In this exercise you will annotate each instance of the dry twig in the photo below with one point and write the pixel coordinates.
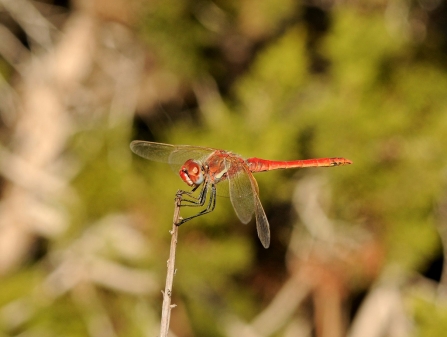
(166, 309)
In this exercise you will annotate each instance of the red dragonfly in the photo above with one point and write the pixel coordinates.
(206, 167)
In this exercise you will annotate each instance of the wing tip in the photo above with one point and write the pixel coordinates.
(264, 236)
(133, 143)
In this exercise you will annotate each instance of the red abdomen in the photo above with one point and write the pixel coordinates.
(260, 165)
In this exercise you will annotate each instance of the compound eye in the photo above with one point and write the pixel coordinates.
(191, 173)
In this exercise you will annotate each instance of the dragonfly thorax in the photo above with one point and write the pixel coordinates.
(192, 173)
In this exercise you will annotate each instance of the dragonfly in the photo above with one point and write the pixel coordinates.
(208, 167)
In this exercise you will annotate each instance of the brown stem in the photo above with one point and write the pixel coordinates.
(166, 309)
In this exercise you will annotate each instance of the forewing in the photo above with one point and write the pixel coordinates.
(153, 151)
(176, 155)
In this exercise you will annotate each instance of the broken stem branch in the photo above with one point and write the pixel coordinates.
(166, 309)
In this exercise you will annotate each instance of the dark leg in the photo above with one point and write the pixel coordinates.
(197, 201)
(209, 208)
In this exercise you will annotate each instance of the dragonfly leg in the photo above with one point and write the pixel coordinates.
(197, 201)
(188, 193)
(209, 208)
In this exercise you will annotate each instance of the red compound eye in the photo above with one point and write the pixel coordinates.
(191, 173)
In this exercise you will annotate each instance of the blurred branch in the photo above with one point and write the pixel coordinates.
(37, 169)
(308, 204)
(234, 326)
(12, 50)
(82, 260)
(80, 268)
(31, 21)
(275, 316)
(9, 102)
(382, 314)
(93, 311)
(29, 177)
(281, 307)
(331, 258)
(38, 136)
(166, 308)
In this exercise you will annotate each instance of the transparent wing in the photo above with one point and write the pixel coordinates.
(175, 155)
(245, 199)
(241, 193)
(223, 189)
(262, 224)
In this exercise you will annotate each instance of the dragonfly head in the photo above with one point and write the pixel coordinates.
(192, 173)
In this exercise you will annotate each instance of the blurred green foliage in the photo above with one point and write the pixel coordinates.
(377, 101)
(431, 318)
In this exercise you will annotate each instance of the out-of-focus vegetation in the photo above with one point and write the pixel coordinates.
(84, 223)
